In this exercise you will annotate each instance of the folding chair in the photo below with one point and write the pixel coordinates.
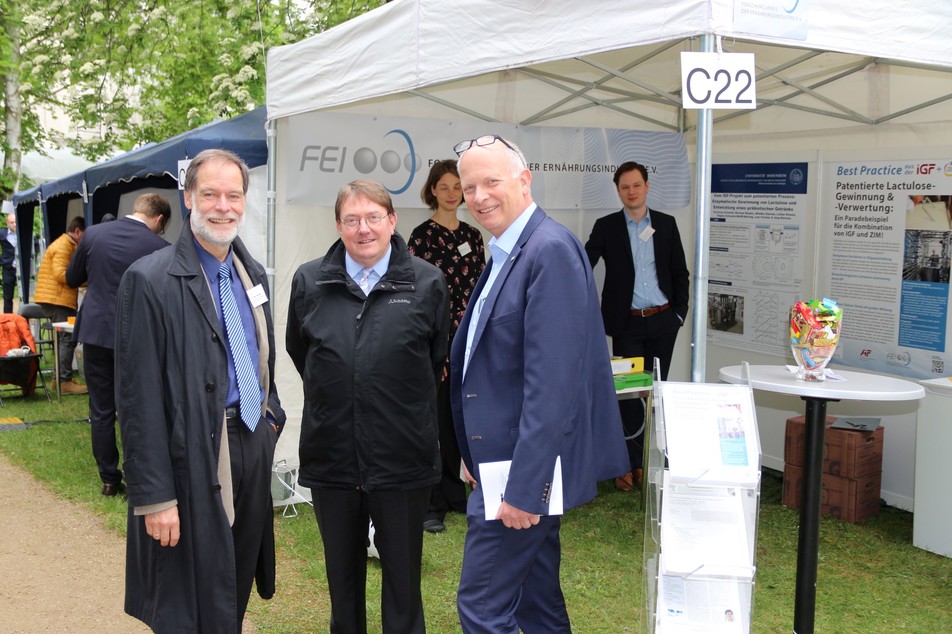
(23, 371)
(40, 326)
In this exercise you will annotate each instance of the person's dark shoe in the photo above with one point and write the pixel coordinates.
(638, 476)
(111, 490)
(434, 526)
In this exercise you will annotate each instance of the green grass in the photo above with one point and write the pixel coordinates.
(871, 579)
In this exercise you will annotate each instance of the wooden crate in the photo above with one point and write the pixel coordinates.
(849, 499)
(846, 453)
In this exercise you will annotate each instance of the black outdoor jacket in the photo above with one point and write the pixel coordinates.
(370, 367)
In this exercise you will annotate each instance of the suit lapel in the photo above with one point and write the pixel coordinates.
(261, 331)
(537, 217)
(622, 232)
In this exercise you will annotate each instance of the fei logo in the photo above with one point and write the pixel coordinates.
(395, 156)
(898, 358)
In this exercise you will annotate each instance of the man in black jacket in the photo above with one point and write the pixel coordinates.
(368, 326)
(645, 295)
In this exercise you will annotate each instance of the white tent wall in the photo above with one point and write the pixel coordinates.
(852, 80)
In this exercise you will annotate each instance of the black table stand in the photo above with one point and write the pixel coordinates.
(804, 611)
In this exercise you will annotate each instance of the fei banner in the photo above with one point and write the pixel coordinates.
(572, 168)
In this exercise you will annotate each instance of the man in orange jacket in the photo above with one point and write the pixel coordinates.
(59, 300)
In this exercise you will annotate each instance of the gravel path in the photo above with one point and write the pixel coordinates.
(62, 569)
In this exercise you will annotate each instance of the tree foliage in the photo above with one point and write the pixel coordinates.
(126, 72)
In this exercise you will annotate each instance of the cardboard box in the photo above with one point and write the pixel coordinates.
(846, 453)
(851, 500)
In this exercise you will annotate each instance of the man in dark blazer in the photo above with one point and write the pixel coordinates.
(103, 255)
(8, 261)
(645, 295)
(531, 383)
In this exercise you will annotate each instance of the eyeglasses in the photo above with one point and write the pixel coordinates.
(351, 223)
(482, 141)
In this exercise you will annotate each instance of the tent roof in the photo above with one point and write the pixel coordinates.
(72, 184)
(244, 135)
(27, 196)
(614, 56)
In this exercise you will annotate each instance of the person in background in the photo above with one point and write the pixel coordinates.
(531, 384)
(8, 261)
(645, 294)
(199, 414)
(59, 301)
(367, 330)
(456, 248)
(103, 255)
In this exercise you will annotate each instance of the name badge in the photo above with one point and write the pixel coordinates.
(256, 296)
(465, 249)
(647, 233)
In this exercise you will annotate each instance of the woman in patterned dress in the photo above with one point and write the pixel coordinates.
(456, 248)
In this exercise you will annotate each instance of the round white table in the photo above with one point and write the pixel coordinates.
(857, 386)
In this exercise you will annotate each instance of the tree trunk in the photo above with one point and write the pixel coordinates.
(12, 106)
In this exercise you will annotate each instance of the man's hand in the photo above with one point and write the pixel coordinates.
(514, 518)
(467, 476)
(163, 526)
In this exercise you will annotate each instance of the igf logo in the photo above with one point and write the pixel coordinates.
(925, 168)
(866, 352)
(334, 158)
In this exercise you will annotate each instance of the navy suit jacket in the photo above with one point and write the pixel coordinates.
(102, 256)
(609, 240)
(539, 383)
(8, 253)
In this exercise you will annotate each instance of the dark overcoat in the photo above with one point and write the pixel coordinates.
(171, 385)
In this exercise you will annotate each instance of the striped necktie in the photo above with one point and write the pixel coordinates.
(364, 281)
(249, 390)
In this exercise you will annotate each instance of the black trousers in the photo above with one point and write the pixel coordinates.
(343, 518)
(64, 340)
(252, 454)
(98, 363)
(9, 286)
(647, 337)
(450, 493)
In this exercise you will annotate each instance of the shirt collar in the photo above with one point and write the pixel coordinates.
(507, 241)
(209, 262)
(353, 267)
(629, 220)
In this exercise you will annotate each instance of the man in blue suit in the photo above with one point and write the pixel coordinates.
(103, 255)
(8, 261)
(531, 382)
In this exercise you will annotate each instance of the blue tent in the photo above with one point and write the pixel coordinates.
(157, 165)
(153, 165)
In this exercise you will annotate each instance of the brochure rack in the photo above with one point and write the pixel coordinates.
(702, 503)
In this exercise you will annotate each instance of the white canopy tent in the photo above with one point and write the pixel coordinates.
(836, 76)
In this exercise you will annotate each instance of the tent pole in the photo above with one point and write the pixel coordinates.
(702, 206)
(272, 133)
